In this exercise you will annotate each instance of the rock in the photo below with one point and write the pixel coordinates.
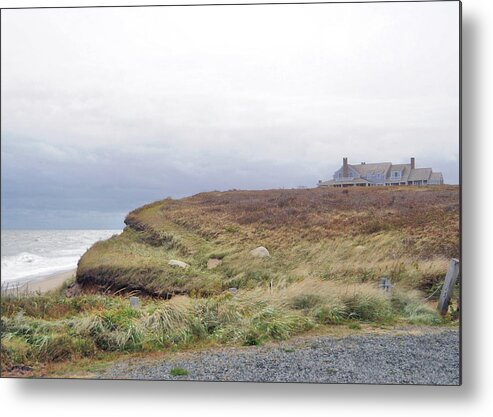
(20, 369)
(73, 290)
(179, 264)
(260, 252)
(213, 263)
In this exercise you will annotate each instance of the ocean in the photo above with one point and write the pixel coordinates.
(32, 254)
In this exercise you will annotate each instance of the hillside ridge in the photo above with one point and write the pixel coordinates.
(356, 235)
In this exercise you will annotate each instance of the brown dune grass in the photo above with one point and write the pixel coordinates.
(355, 235)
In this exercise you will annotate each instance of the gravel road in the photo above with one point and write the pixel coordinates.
(366, 359)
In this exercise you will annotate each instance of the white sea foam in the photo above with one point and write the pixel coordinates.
(31, 254)
(26, 265)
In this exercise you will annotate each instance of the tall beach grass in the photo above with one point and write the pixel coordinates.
(40, 329)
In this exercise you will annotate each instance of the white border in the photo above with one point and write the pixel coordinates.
(116, 398)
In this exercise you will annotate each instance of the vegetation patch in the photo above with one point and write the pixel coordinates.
(178, 372)
(405, 233)
(89, 326)
(328, 251)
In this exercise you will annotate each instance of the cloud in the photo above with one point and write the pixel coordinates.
(151, 103)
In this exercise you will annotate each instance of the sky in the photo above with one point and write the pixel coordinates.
(104, 110)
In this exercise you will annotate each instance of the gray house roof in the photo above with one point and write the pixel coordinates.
(437, 176)
(371, 169)
(420, 174)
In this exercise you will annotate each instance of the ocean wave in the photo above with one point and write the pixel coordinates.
(33, 254)
(26, 265)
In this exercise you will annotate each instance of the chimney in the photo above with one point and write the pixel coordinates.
(413, 164)
(345, 168)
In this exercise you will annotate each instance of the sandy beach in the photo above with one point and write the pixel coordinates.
(45, 284)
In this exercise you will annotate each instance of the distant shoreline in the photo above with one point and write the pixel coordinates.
(44, 284)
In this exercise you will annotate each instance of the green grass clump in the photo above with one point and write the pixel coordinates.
(412, 306)
(172, 324)
(422, 314)
(368, 307)
(305, 301)
(53, 306)
(28, 340)
(275, 323)
(117, 330)
(178, 372)
(331, 313)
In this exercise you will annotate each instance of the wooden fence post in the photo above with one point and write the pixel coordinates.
(134, 302)
(448, 286)
(385, 285)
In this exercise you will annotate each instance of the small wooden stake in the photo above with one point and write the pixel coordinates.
(448, 286)
(134, 302)
(385, 285)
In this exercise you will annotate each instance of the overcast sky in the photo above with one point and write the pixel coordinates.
(104, 110)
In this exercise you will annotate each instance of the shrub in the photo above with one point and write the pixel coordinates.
(412, 307)
(15, 350)
(333, 313)
(305, 301)
(111, 332)
(274, 323)
(84, 347)
(422, 314)
(54, 306)
(166, 318)
(54, 348)
(253, 338)
(368, 307)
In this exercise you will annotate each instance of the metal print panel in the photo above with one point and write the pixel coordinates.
(261, 193)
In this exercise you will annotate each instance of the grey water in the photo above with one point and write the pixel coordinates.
(33, 254)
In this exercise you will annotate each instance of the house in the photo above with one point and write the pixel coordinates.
(382, 173)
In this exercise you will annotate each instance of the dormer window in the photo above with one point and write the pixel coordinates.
(396, 174)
